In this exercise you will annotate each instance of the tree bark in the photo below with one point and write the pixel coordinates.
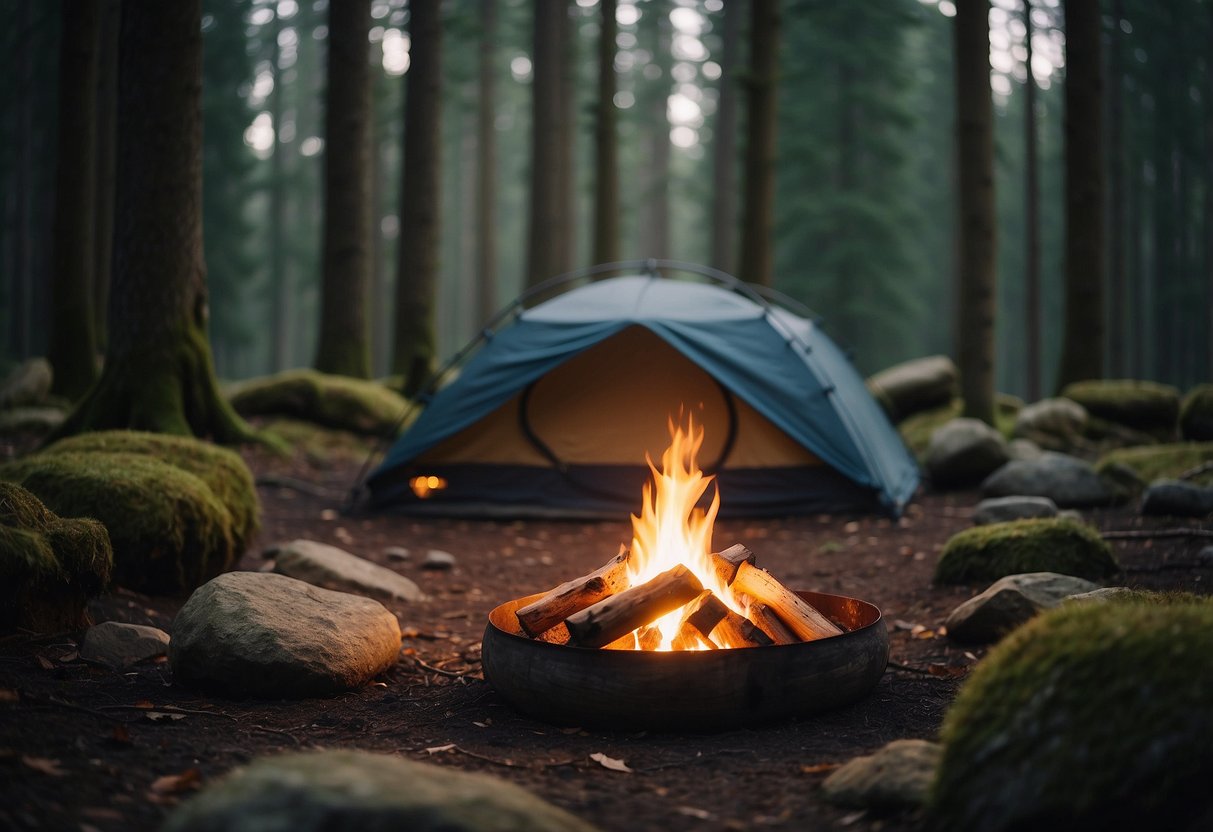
(281, 299)
(72, 345)
(344, 344)
(547, 225)
(1083, 338)
(420, 201)
(975, 177)
(724, 145)
(758, 211)
(158, 373)
(1117, 329)
(107, 132)
(1032, 223)
(486, 167)
(606, 147)
(654, 209)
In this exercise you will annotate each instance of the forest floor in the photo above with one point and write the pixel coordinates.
(86, 748)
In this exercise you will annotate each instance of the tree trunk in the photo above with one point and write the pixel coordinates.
(281, 297)
(344, 345)
(547, 225)
(1082, 341)
(975, 155)
(758, 211)
(1117, 330)
(486, 167)
(606, 147)
(420, 195)
(1208, 199)
(1031, 213)
(107, 131)
(158, 373)
(654, 209)
(568, 143)
(724, 145)
(72, 346)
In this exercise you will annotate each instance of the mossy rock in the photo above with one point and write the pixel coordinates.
(351, 404)
(221, 469)
(321, 447)
(169, 531)
(1162, 462)
(917, 429)
(1055, 544)
(1144, 405)
(1091, 716)
(49, 566)
(1196, 414)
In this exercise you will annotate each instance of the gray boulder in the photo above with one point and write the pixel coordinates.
(1055, 424)
(1065, 480)
(897, 776)
(1178, 498)
(323, 565)
(260, 634)
(438, 560)
(27, 385)
(1009, 602)
(1002, 509)
(963, 452)
(1023, 449)
(921, 384)
(321, 791)
(119, 645)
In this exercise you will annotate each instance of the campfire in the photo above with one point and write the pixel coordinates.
(669, 591)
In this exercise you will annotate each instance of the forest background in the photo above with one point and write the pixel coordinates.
(865, 220)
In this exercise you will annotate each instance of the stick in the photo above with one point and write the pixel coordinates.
(771, 624)
(574, 596)
(619, 614)
(719, 624)
(800, 616)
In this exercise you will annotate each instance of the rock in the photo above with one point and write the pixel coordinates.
(438, 560)
(1009, 602)
(120, 645)
(397, 553)
(987, 553)
(1196, 414)
(36, 420)
(1071, 514)
(270, 636)
(1023, 449)
(1102, 595)
(1205, 556)
(1122, 480)
(895, 777)
(1056, 424)
(332, 568)
(1002, 509)
(1177, 498)
(320, 791)
(1144, 405)
(917, 385)
(963, 452)
(1063, 479)
(27, 385)
(1178, 460)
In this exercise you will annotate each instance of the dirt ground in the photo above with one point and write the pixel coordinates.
(87, 748)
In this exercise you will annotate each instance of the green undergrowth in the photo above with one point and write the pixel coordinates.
(1196, 414)
(1091, 716)
(49, 566)
(1055, 544)
(916, 430)
(356, 405)
(1144, 405)
(169, 531)
(1152, 462)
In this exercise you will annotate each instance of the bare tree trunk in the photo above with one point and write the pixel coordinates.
(420, 201)
(281, 301)
(975, 152)
(1083, 339)
(606, 147)
(568, 144)
(23, 279)
(758, 211)
(654, 207)
(547, 224)
(486, 166)
(107, 130)
(72, 347)
(1208, 200)
(380, 290)
(724, 145)
(158, 372)
(1032, 222)
(1116, 197)
(344, 346)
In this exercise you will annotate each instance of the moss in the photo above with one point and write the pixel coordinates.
(1144, 405)
(221, 469)
(333, 401)
(917, 429)
(1091, 716)
(321, 447)
(169, 531)
(1196, 414)
(49, 567)
(1055, 544)
(1153, 462)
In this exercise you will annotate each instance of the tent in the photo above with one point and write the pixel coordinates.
(555, 411)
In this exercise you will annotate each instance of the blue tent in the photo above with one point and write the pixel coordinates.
(553, 415)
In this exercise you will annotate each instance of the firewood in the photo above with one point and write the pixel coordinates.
(619, 614)
(555, 635)
(727, 563)
(646, 638)
(800, 616)
(720, 625)
(688, 638)
(573, 596)
(770, 623)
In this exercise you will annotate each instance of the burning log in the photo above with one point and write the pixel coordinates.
(649, 638)
(720, 625)
(575, 595)
(770, 623)
(618, 615)
(735, 566)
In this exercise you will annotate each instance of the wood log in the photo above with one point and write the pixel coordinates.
(575, 595)
(721, 626)
(727, 563)
(771, 624)
(689, 638)
(646, 638)
(555, 635)
(805, 621)
(619, 614)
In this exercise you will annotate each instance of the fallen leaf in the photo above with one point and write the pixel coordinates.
(438, 749)
(187, 780)
(692, 812)
(69, 657)
(44, 765)
(970, 656)
(143, 703)
(819, 768)
(328, 514)
(121, 735)
(44, 662)
(609, 762)
(852, 818)
(480, 725)
(156, 716)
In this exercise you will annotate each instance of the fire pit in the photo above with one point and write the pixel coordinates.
(671, 634)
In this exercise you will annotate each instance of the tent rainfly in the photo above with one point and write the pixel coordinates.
(553, 416)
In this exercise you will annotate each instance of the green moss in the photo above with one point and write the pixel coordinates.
(917, 429)
(1055, 544)
(49, 567)
(1196, 414)
(221, 469)
(1152, 462)
(1144, 405)
(1091, 716)
(333, 401)
(321, 447)
(169, 531)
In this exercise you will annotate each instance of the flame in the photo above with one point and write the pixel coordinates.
(671, 528)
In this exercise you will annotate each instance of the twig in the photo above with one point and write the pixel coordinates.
(302, 486)
(168, 709)
(1135, 534)
(451, 673)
